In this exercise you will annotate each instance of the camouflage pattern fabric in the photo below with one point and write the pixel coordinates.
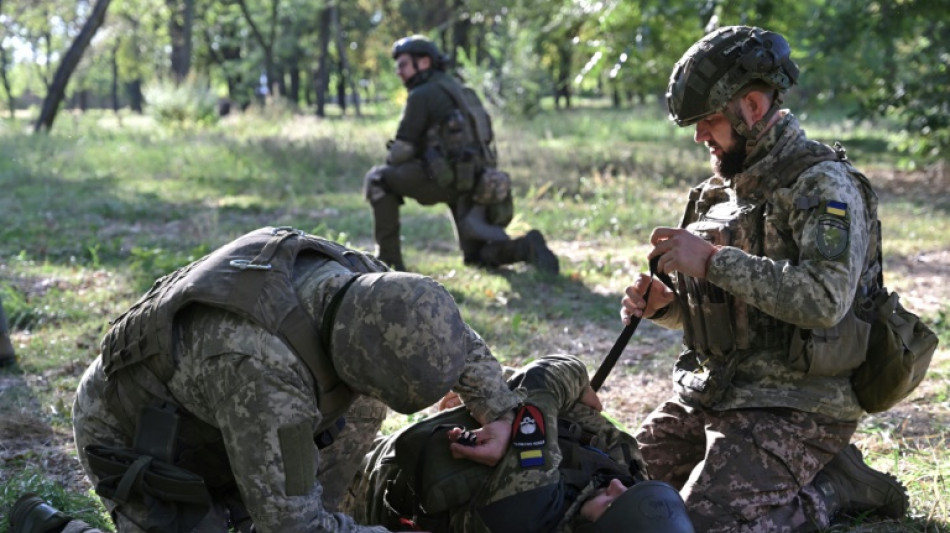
(249, 386)
(793, 282)
(745, 462)
(756, 465)
(554, 384)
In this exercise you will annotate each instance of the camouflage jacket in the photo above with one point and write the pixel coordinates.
(804, 275)
(509, 497)
(258, 397)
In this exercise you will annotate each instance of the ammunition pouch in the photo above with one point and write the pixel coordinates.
(834, 351)
(176, 499)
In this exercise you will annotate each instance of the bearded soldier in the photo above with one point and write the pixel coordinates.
(768, 262)
(243, 390)
(444, 153)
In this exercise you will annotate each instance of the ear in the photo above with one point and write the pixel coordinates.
(753, 105)
(423, 63)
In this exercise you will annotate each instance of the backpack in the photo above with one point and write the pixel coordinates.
(900, 346)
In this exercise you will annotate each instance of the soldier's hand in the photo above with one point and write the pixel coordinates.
(491, 443)
(633, 304)
(450, 400)
(681, 251)
(590, 399)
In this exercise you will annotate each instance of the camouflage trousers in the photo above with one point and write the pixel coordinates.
(411, 180)
(747, 470)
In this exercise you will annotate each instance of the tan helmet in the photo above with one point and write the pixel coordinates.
(399, 337)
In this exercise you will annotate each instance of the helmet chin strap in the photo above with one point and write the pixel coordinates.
(751, 134)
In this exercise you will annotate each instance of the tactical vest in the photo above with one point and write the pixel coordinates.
(461, 146)
(251, 277)
(715, 324)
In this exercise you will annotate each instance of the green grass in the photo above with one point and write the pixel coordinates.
(94, 212)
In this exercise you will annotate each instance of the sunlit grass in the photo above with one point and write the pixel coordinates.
(97, 210)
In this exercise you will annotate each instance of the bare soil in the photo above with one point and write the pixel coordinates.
(640, 382)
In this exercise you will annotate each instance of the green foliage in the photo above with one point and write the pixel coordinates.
(93, 213)
(183, 105)
(85, 507)
(149, 264)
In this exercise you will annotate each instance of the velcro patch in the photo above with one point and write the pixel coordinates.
(527, 430)
(831, 236)
(838, 209)
(529, 458)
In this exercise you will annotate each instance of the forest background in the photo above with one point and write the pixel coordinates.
(137, 135)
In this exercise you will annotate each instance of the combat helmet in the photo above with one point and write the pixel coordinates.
(399, 337)
(718, 66)
(648, 506)
(418, 46)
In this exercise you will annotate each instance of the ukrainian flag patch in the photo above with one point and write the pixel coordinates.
(531, 458)
(838, 209)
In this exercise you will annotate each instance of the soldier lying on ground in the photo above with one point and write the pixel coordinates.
(568, 469)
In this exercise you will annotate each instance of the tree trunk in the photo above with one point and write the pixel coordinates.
(345, 76)
(134, 90)
(180, 26)
(322, 79)
(11, 102)
(57, 89)
(115, 78)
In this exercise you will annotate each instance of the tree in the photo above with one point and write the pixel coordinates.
(181, 22)
(57, 89)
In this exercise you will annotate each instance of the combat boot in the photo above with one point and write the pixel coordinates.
(849, 485)
(31, 514)
(538, 253)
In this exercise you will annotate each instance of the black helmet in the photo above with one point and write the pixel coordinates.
(652, 506)
(722, 63)
(417, 45)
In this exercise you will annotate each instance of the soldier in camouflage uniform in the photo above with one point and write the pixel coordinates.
(444, 153)
(579, 473)
(769, 261)
(217, 398)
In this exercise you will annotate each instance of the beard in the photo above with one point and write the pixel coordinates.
(733, 159)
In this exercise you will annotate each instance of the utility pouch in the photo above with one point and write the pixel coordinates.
(703, 382)
(465, 173)
(157, 432)
(833, 351)
(176, 499)
(438, 167)
(493, 187)
(900, 350)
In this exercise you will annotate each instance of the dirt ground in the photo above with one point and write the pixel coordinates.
(639, 382)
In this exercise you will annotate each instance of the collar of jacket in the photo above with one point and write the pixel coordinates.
(760, 179)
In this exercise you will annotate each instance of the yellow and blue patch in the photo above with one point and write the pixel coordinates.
(838, 209)
(531, 458)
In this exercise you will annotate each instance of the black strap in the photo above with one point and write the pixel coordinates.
(614, 355)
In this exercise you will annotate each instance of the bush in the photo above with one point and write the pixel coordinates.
(186, 104)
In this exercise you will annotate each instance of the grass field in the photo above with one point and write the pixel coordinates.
(93, 213)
